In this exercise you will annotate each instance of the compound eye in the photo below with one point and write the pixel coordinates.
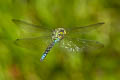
(59, 34)
(62, 30)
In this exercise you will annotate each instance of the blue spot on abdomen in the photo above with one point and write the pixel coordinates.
(43, 57)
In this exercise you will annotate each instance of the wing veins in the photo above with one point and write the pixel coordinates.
(85, 27)
(16, 21)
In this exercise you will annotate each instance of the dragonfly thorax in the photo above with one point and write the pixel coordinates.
(58, 34)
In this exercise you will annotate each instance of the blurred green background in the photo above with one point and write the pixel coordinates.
(17, 63)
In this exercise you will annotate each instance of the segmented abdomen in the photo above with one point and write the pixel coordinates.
(46, 51)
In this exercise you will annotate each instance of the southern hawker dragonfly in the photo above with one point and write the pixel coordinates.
(58, 35)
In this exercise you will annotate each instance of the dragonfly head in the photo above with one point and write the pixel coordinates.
(58, 34)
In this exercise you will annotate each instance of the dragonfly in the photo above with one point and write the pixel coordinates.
(58, 35)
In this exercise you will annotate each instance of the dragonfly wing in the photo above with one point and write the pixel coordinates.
(77, 45)
(83, 29)
(69, 46)
(88, 44)
(28, 27)
(36, 43)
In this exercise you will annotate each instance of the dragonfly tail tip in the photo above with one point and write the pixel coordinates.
(41, 60)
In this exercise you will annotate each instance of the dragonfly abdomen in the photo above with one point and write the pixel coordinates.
(46, 51)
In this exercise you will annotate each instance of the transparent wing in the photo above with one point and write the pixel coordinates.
(31, 30)
(28, 27)
(83, 29)
(69, 46)
(77, 45)
(36, 43)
